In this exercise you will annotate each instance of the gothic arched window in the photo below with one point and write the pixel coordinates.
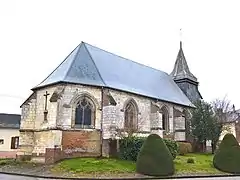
(84, 113)
(130, 119)
(165, 118)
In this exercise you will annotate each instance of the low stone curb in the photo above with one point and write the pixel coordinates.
(118, 178)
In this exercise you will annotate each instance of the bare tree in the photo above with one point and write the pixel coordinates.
(125, 131)
(222, 111)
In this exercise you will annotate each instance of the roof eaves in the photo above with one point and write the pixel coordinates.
(55, 69)
(185, 105)
(27, 99)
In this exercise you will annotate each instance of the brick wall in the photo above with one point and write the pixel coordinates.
(53, 155)
(81, 143)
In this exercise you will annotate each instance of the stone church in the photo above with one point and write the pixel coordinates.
(93, 95)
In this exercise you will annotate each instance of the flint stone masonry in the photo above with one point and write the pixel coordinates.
(70, 95)
(179, 123)
(180, 136)
(46, 139)
(26, 143)
(109, 122)
(28, 115)
(39, 136)
(143, 105)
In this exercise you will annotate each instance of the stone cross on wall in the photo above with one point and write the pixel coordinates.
(45, 108)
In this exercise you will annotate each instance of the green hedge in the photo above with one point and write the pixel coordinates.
(129, 147)
(154, 158)
(184, 148)
(172, 146)
(227, 157)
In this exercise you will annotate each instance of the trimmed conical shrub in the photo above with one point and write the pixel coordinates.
(227, 157)
(228, 141)
(154, 158)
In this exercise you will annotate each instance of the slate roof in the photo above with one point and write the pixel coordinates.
(90, 65)
(181, 69)
(10, 121)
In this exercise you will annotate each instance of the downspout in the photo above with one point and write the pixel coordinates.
(101, 124)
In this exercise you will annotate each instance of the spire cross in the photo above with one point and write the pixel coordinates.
(46, 95)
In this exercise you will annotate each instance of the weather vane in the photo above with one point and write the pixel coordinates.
(181, 38)
(181, 34)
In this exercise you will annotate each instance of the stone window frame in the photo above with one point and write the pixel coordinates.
(164, 110)
(74, 103)
(134, 103)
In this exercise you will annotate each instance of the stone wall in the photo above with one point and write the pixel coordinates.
(109, 122)
(70, 94)
(228, 128)
(179, 124)
(156, 123)
(26, 143)
(237, 131)
(46, 139)
(40, 122)
(143, 106)
(28, 114)
(57, 131)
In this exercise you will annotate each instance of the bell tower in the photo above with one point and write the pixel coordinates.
(181, 74)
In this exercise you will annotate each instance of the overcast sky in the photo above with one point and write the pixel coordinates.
(36, 36)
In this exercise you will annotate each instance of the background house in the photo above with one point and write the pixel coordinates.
(231, 124)
(9, 134)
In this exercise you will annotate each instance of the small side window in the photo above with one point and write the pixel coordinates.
(1, 141)
(14, 142)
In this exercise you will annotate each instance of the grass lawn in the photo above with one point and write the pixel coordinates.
(97, 166)
(202, 164)
(4, 162)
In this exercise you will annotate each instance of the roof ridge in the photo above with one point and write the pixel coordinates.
(94, 63)
(126, 59)
(79, 46)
